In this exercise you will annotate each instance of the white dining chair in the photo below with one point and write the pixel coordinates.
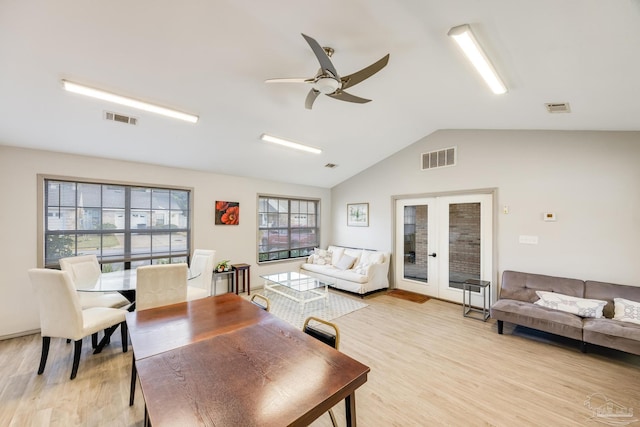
(85, 271)
(61, 315)
(202, 268)
(158, 285)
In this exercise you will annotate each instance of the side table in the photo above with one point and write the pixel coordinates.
(219, 274)
(246, 276)
(481, 286)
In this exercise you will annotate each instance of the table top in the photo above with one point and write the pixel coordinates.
(260, 372)
(118, 281)
(168, 327)
(297, 281)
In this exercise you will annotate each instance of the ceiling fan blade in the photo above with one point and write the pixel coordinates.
(311, 96)
(344, 96)
(323, 59)
(292, 80)
(365, 73)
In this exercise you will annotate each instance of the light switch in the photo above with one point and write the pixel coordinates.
(528, 240)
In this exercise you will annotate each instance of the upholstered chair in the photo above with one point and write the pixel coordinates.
(85, 271)
(158, 285)
(202, 268)
(61, 315)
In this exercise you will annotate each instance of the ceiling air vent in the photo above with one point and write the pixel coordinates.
(438, 159)
(558, 107)
(330, 165)
(108, 115)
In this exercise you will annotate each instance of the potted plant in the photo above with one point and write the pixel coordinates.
(222, 266)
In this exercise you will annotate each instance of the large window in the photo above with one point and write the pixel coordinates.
(125, 226)
(287, 228)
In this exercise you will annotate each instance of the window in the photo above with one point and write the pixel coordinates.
(287, 228)
(125, 226)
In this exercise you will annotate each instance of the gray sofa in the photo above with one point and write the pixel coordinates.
(516, 305)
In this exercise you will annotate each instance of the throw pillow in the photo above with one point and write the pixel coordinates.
(362, 269)
(322, 256)
(626, 310)
(345, 262)
(580, 306)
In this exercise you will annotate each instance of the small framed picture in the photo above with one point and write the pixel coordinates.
(358, 214)
(227, 213)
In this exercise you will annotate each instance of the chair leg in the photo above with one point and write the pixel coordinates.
(333, 418)
(46, 341)
(500, 326)
(106, 339)
(125, 336)
(94, 340)
(76, 357)
(134, 373)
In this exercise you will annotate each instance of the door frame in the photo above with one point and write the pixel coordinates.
(493, 274)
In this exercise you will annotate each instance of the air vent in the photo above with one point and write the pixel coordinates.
(439, 159)
(330, 165)
(559, 107)
(108, 115)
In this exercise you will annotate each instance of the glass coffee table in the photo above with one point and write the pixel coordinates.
(297, 286)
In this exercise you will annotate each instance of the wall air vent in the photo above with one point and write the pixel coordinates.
(439, 158)
(108, 115)
(558, 107)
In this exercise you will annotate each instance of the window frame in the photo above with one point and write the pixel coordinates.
(303, 251)
(128, 258)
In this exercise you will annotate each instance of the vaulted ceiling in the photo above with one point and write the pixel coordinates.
(211, 58)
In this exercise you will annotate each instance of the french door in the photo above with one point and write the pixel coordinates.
(441, 242)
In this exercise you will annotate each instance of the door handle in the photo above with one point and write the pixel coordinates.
(433, 255)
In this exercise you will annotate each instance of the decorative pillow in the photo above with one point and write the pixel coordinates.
(362, 269)
(626, 310)
(368, 257)
(345, 262)
(337, 253)
(322, 256)
(580, 306)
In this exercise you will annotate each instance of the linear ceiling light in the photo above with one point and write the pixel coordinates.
(463, 35)
(289, 144)
(129, 102)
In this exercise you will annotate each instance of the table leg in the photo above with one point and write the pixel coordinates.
(350, 409)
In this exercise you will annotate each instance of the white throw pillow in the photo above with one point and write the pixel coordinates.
(337, 254)
(626, 310)
(322, 256)
(345, 262)
(362, 269)
(580, 306)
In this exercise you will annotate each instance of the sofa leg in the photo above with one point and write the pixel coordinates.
(583, 346)
(500, 326)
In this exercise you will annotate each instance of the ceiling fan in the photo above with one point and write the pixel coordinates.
(328, 81)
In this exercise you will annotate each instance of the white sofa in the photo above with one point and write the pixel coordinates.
(360, 271)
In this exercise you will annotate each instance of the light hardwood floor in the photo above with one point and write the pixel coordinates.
(429, 367)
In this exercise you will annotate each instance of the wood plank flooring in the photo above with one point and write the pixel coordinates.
(429, 367)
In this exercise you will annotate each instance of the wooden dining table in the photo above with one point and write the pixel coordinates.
(223, 361)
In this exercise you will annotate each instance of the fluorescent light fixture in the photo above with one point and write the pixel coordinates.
(289, 144)
(129, 102)
(463, 35)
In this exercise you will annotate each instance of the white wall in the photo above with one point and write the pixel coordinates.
(19, 210)
(591, 180)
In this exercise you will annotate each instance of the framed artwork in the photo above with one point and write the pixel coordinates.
(227, 213)
(358, 214)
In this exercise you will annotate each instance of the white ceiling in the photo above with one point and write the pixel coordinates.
(211, 58)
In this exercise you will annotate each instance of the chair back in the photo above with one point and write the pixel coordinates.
(202, 266)
(60, 311)
(84, 269)
(264, 302)
(330, 338)
(158, 285)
